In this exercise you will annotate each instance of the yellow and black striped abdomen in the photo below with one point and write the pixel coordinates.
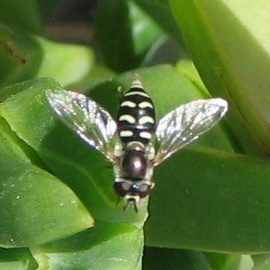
(136, 116)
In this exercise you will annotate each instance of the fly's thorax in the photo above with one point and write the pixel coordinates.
(134, 165)
(134, 161)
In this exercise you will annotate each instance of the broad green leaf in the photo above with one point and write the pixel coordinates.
(66, 63)
(211, 200)
(21, 15)
(15, 258)
(35, 207)
(106, 247)
(231, 49)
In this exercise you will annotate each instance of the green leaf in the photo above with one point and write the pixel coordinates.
(230, 47)
(107, 247)
(35, 207)
(19, 259)
(66, 63)
(188, 70)
(211, 200)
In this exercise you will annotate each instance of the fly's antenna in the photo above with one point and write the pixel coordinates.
(135, 207)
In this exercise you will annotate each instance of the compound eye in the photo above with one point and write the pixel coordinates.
(134, 165)
(144, 190)
(125, 188)
(122, 188)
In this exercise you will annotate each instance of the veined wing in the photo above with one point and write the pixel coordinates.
(186, 123)
(90, 121)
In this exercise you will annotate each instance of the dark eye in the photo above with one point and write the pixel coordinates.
(144, 190)
(122, 188)
(125, 188)
(134, 165)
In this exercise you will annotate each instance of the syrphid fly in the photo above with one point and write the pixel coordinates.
(135, 142)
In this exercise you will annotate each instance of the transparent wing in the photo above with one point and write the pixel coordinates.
(90, 121)
(186, 123)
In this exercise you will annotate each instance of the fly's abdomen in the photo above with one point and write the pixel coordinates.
(136, 116)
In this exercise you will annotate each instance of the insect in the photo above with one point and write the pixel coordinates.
(129, 143)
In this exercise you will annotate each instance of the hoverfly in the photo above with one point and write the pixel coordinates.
(129, 142)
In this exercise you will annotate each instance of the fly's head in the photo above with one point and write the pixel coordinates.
(133, 176)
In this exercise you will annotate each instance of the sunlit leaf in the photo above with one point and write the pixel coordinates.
(35, 206)
(107, 246)
(230, 47)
